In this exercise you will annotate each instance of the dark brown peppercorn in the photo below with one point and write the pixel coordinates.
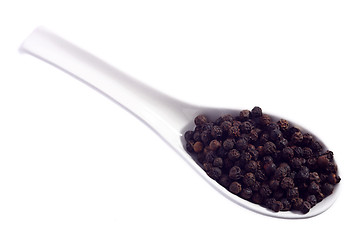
(327, 188)
(297, 137)
(205, 137)
(269, 168)
(251, 166)
(283, 124)
(218, 162)
(244, 115)
(303, 174)
(256, 198)
(225, 181)
(296, 163)
(275, 135)
(241, 144)
(235, 187)
(198, 147)
(200, 120)
(276, 206)
(292, 193)
(332, 178)
(280, 173)
(313, 188)
(233, 154)
(307, 152)
(265, 191)
(312, 200)
(246, 127)
(256, 112)
(286, 204)
(274, 184)
(323, 161)
(305, 208)
(297, 203)
(287, 153)
(188, 135)
(265, 120)
(287, 183)
(214, 145)
(235, 173)
(228, 144)
(269, 148)
(246, 193)
(225, 126)
(249, 179)
(214, 173)
(307, 139)
(216, 132)
(234, 132)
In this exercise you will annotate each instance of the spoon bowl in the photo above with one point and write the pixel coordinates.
(168, 117)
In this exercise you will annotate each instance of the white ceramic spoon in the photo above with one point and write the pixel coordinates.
(168, 117)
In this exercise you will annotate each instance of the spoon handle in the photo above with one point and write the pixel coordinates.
(159, 111)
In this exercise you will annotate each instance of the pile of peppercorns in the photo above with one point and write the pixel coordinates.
(270, 163)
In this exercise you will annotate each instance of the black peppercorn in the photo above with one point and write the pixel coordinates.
(205, 137)
(283, 124)
(269, 168)
(246, 193)
(265, 190)
(214, 173)
(313, 188)
(244, 115)
(275, 135)
(246, 127)
(296, 163)
(269, 148)
(286, 204)
(312, 200)
(225, 181)
(287, 183)
(235, 187)
(322, 161)
(251, 166)
(256, 198)
(256, 112)
(287, 153)
(327, 188)
(305, 208)
(218, 162)
(297, 137)
(189, 135)
(233, 154)
(235, 173)
(228, 144)
(214, 145)
(303, 174)
(297, 203)
(226, 125)
(200, 120)
(249, 179)
(274, 184)
(234, 132)
(276, 206)
(198, 147)
(216, 132)
(241, 144)
(292, 193)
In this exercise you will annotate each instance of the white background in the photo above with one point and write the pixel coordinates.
(74, 165)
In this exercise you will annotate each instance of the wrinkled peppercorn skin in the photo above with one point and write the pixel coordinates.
(267, 162)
